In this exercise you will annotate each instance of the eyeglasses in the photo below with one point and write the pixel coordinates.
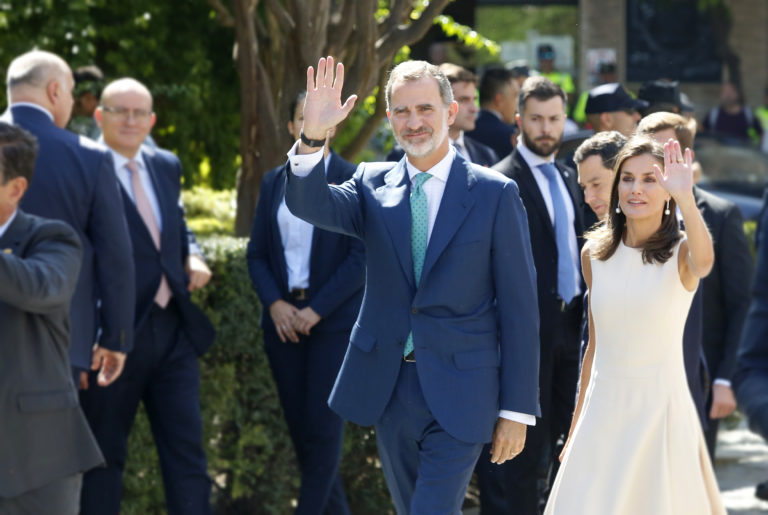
(125, 113)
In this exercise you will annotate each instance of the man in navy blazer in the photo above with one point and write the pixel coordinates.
(541, 118)
(444, 354)
(495, 124)
(310, 283)
(74, 182)
(171, 332)
(751, 377)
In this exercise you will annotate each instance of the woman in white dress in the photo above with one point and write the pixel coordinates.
(635, 444)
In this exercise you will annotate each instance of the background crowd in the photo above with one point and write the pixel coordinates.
(140, 261)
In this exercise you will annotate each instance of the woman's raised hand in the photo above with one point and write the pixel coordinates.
(677, 177)
(323, 109)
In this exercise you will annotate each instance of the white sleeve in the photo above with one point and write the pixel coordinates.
(523, 418)
(302, 164)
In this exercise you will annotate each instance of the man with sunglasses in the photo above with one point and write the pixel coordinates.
(611, 108)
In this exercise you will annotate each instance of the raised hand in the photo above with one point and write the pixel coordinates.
(323, 109)
(677, 177)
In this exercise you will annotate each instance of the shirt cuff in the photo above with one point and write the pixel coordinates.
(302, 164)
(523, 418)
(723, 382)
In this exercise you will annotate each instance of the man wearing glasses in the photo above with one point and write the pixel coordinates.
(170, 331)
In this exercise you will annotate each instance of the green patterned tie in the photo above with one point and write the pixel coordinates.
(419, 228)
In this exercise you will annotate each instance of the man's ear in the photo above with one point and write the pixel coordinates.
(152, 120)
(517, 119)
(606, 121)
(53, 91)
(18, 187)
(98, 115)
(453, 110)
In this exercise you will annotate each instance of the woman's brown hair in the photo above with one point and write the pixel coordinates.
(605, 239)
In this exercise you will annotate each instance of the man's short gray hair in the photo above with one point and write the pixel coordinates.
(35, 68)
(416, 70)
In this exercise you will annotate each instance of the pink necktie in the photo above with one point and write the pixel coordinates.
(163, 295)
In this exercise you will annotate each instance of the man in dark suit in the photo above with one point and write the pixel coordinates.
(74, 182)
(725, 291)
(495, 124)
(171, 332)
(463, 83)
(751, 377)
(553, 202)
(443, 355)
(45, 443)
(310, 283)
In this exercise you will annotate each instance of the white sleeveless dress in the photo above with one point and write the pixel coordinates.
(638, 448)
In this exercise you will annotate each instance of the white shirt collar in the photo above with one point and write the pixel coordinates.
(34, 106)
(440, 170)
(7, 223)
(531, 159)
(120, 160)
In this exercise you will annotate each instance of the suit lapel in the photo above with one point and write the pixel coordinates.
(163, 204)
(529, 189)
(395, 203)
(454, 206)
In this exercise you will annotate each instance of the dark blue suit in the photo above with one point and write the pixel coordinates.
(305, 372)
(490, 130)
(473, 317)
(751, 377)
(479, 153)
(162, 370)
(75, 182)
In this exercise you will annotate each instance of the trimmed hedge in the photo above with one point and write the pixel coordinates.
(250, 456)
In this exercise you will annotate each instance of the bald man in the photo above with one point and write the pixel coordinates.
(74, 182)
(171, 332)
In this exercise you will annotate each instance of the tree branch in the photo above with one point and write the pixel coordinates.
(389, 43)
(397, 13)
(224, 16)
(370, 126)
(285, 19)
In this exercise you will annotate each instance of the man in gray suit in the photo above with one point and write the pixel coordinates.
(45, 443)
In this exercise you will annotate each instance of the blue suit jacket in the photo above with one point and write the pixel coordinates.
(75, 182)
(491, 131)
(479, 153)
(473, 314)
(337, 262)
(165, 171)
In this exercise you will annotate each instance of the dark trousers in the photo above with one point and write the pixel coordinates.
(162, 372)
(61, 497)
(427, 470)
(304, 373)
(520, 486)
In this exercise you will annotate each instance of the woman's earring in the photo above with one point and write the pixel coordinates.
(666, 211)
(618, 209)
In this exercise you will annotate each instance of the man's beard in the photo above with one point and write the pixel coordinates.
(427, 147)
(540, 147)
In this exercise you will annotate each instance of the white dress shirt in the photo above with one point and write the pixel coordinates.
(124, 176)
(7, 223)
(296, 236)
(533, 161)
(302, 165)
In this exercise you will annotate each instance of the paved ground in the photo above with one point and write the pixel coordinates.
(742, 462)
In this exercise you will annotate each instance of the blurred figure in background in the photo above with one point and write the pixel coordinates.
(732, 119)
(611, 107)
(546, 55)
(494, 126)
(89, 81)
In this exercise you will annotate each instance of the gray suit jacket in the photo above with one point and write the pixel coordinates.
(43, 433)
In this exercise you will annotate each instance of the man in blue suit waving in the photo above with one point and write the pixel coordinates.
(444, 353)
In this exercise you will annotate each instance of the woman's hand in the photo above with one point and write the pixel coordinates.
(282, 314)
(677, 177)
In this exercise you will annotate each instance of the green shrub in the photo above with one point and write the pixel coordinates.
(208, 211)
(250, 456)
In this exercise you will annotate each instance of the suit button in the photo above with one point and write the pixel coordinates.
(400, 343)
(414, 311)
